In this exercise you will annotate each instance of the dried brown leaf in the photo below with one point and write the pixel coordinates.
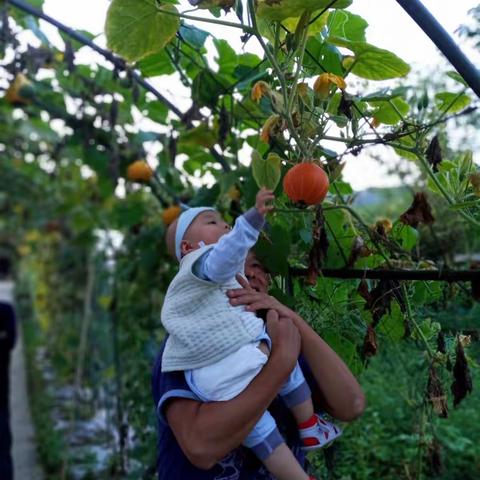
(419, 212)
(436, 395)
(434, 153)
(462, 384)
(370, 345)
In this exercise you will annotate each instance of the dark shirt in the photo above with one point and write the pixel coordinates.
(7, 341)
(241, 463)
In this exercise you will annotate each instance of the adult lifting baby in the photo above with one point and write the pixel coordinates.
(218, 359)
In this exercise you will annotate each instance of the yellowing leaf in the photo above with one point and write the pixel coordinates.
(316, 27)
(135, 28)
(294, 8)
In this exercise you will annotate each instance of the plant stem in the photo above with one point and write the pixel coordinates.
(281, 77)
(412, 320)
(303, 44)
(241, 26)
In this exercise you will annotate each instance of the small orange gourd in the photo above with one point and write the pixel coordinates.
(139, 171)
(307, 183)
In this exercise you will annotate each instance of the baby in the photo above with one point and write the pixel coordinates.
(220, 347)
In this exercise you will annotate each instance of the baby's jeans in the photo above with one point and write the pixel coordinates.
(227, 378)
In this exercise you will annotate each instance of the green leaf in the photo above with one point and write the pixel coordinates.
(340, 188)
(452, 102)
(406, 235)
(156, 65)
(206, 88)
(346, 349)
(341, 237)
(393, 325)
(128, 212)
(202, 135)
(193, 35)
(227, 58)
(466, 204)
(294, 8)
(429, 329)
(373, 63)
(273, 252)
(426, 292)
(320, 56)
(135, 28)
(390, 112)
(316, 27)
(266, 172)
(205, 196)
(457, 77)
(157, 111)
(408, 142)
(344, 24)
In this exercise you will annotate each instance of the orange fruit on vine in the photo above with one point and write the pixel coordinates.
(139, 171)
(306, 183)
(20, 92)
(170, 214)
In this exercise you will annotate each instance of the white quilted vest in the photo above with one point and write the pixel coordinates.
(203, 327)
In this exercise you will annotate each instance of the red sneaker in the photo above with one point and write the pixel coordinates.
(317, 433)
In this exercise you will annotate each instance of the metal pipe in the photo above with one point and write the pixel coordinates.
(444, 42)
(117, 62)
(383, 274)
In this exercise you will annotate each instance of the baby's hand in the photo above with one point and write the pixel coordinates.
(264, 196)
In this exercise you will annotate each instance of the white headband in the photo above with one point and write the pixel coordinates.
(184, 221)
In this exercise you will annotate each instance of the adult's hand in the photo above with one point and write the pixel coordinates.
(255, 300)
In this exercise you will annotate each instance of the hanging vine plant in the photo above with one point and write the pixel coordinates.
(82, 172)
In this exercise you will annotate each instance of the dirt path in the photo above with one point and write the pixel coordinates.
(24, 455)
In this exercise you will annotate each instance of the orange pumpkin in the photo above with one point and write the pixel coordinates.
(139, 171)
(307, 183)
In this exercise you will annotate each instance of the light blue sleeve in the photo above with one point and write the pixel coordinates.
(227, 257)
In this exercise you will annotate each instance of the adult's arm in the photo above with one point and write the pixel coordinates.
(206, 432)
(338, 391)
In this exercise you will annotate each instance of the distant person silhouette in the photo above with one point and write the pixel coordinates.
(7, 342)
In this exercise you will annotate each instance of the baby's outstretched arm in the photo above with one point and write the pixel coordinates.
(227, 257)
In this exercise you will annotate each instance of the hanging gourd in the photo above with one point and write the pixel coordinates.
(306, 183)
(139, 171)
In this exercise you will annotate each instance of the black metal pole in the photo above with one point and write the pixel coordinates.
(444, 42)
(118, 62)
(424, 275)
